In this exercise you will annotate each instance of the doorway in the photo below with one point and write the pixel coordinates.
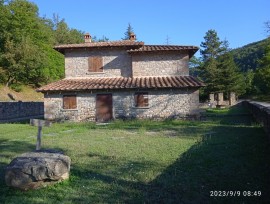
(104, 107)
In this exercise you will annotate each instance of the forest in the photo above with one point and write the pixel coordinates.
(27, 56)
(245, 70)
(26, 44)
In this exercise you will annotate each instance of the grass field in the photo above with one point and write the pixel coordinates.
(146, 161)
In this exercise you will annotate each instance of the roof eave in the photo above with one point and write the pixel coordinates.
(191, 52)
(117, 89)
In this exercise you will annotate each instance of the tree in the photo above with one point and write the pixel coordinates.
(219, 71)
(22, 62)
(249, 82)
(267, 26)
(209, 72)
(230, 78)
(63, 34)
(262, 76)
(128, 32)
(103, 39)
(26, 44)
(212, 46)
(21, 58)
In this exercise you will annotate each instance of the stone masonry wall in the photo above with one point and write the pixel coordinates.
(162, 104)
(163, 64)
(116, 63)
(260, 113)
(19, 110)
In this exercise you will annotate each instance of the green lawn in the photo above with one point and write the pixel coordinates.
(146, 161)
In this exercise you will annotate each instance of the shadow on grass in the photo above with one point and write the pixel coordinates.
(234, 115)
(226, 159)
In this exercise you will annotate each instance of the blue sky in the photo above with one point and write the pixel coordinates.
(184, 22)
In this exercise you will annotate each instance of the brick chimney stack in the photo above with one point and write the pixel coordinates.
(87, 38)
(132, 36)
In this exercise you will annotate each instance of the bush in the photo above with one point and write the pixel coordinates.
(16, 87)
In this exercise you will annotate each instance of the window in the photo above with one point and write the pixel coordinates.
(69, 102)
(141, 99)
(95, 64)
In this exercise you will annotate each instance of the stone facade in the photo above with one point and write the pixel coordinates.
(167, 97)
(160, 64)
(116, 63)
(162, 104)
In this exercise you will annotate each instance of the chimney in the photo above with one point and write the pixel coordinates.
(87, 38)
(132, 36)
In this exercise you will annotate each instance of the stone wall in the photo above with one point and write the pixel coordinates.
(163, 64)
(162, 104)
(217, 100)
(12, 111)
(260, 113)
(116, 63)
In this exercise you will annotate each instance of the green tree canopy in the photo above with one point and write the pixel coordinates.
(230, 78)
(128, 32)
(26, 44)
(211, 49)
(262, 76)
(218, 69)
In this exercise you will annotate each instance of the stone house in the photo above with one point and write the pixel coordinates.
(122, 79)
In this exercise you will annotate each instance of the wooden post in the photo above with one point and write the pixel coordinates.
(39, 124)
(38, 145)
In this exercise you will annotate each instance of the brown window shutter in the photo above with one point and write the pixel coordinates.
(95, 64)
(69, 102)
(72, 102)
(145, 100)
(90, 64)
(65, 102)
(141, 99)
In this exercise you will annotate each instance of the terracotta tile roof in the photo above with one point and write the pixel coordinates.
(122, 83)
(128, 43)
(156, 48)
(134, 46)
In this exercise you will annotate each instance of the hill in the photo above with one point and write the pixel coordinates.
(248, 56)
(26, 94)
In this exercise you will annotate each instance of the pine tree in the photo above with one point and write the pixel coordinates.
(219, 71)
(212, 46)
(128, 32)
(230, 79)
(209, 72)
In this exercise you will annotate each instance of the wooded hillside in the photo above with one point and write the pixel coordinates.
(26, 44)
(248, 56)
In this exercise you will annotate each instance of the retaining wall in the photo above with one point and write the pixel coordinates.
(260, 113)
(14, 111)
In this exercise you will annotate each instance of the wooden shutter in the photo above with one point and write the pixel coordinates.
(141, 99)
(145, 99)
(69, 102)
(95, 64)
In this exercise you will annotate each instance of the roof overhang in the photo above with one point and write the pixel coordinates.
(120, 83)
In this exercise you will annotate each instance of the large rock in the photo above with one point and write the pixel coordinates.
(33, 170)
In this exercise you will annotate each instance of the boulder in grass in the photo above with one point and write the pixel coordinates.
(34, 170)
